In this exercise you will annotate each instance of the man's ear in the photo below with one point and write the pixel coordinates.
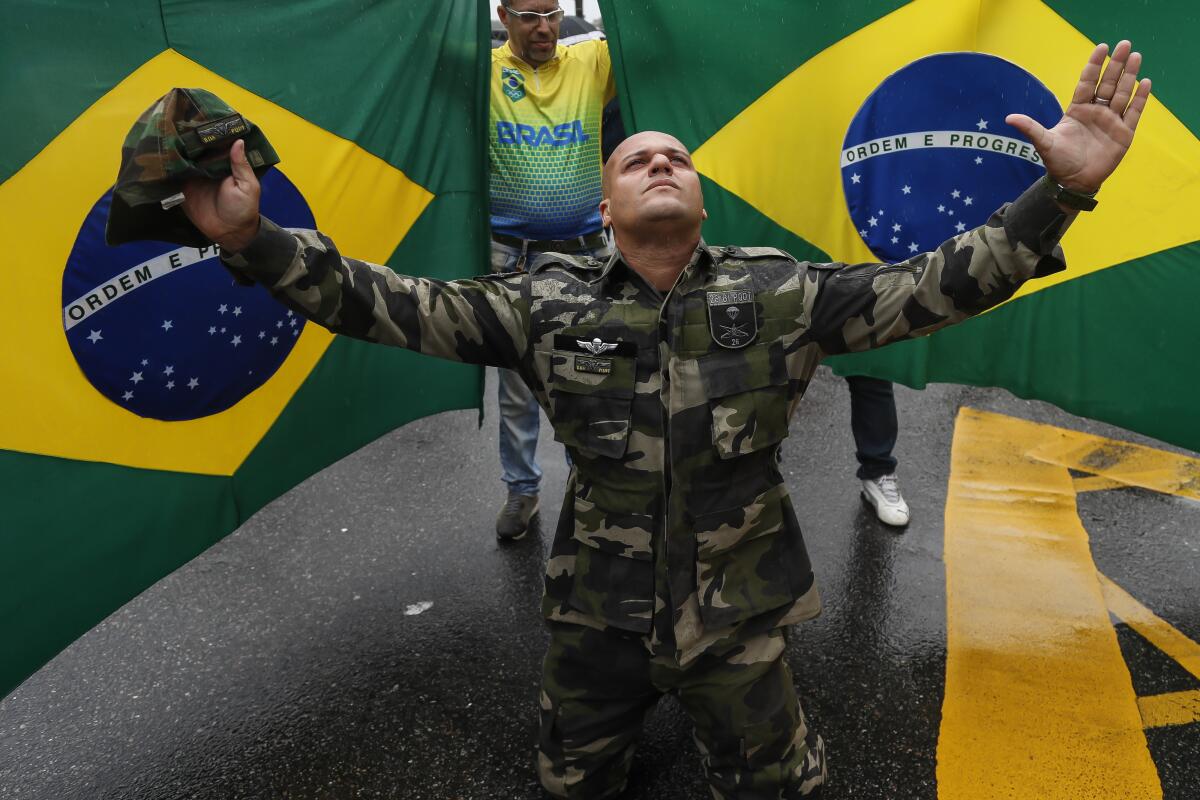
(605, 216)
(502, 14)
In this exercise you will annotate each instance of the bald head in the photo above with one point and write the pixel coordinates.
(632, 144)
(648, 181)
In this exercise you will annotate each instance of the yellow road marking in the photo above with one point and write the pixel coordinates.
(1038, 700)
(1097, 483)
(1130, 464)
(1176, 708)
(1153, 628)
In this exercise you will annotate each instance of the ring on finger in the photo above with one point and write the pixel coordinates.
(1100, 101)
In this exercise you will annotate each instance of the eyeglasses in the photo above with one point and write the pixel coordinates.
(532, 18)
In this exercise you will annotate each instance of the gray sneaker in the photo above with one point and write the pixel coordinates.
(515, 516)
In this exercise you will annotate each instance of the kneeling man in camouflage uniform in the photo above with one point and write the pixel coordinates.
(670, 371)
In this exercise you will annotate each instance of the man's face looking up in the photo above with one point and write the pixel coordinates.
(531, 38)
(650, 180)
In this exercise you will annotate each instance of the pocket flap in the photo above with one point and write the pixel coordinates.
(615, 523)
(735, 371)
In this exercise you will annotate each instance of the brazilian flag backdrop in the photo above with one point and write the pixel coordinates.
(150, 405)
(870, 130)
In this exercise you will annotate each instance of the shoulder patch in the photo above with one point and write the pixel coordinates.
(734, 251)
(825, 265)
(549, 260)
(496, 277)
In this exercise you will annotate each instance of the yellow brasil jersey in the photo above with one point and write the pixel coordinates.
(544, 141)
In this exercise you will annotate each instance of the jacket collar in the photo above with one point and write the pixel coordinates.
(700, 260)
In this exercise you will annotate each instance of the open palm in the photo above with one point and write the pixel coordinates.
(1093, 136)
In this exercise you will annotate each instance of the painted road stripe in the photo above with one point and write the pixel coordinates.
(1175, 708)
(1130, 464)
(1096, 483)
(1038, 701)
(1155, 630)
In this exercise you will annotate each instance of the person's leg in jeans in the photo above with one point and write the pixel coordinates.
(519, 423)
(874, 424)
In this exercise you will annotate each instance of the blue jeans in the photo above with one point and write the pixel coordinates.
(520, 417)
(873, 422)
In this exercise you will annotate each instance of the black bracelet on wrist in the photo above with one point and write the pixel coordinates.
(1068, 197)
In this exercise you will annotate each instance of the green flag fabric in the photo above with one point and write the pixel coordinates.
(150, 403)
(873, 130)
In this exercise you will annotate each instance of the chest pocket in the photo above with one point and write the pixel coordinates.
(747, 392)
(592, 401)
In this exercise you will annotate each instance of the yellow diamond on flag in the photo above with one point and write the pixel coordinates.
(1146, 207)
(52, 408)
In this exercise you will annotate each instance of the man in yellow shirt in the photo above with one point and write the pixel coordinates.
(546, 105)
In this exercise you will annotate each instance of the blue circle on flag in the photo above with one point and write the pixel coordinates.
(929, 155)
(164, 331)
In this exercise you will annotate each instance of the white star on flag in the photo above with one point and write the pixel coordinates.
(856, 178)
(982, 124)
(873, 221)
(955, 194)
(274, 340)
(127, 396)
(262, 334)
(895, 240)
(912, 247)
(978, 159)
(941, 209)
(170, 384)
(167, 325)
(145, 361)
(94, 337)
(862, 232)
(236, 341)
(237, 311)
(907, 190)
(212, 329)
(968, 201)
(960, 227)
(896, 227)
(136, 378)
(168, 370)
(193, 383)
(221, 308)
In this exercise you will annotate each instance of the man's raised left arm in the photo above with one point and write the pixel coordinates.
(858, 307)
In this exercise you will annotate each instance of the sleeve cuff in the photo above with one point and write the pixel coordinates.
(1036, 221)
(267, 258)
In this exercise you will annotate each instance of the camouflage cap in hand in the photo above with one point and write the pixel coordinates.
(187, 133)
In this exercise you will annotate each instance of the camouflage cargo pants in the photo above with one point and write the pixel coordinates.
(597, 688)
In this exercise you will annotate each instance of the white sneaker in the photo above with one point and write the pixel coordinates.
(883, 494)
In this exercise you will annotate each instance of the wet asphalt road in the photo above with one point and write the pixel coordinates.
(289, 660)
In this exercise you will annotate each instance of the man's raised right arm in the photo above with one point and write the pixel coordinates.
(482, 321)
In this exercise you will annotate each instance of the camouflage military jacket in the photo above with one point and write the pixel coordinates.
(676, 522)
